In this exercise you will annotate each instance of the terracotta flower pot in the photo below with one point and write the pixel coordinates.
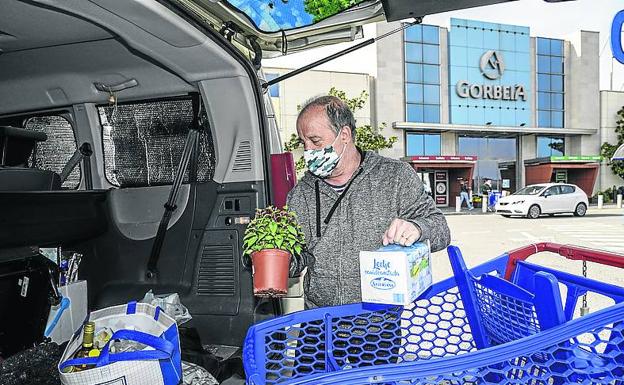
(270, 272)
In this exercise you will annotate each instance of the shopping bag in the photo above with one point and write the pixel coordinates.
(158, 363)
(60, 328)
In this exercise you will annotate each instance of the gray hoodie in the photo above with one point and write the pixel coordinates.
(380, 190)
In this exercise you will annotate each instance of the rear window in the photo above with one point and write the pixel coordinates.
(54, 153)
(567, 189)
(143, 142)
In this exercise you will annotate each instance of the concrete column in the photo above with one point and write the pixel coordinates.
(520, 156)
(390, 87)
(458, 204)
(619, 201)
(444, 77)
(600, 201)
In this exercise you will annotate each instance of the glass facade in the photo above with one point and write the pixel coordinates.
(550, 83)
(422, 74)
(548, 146)
(422, 144)
(489, 152)
(487, 63)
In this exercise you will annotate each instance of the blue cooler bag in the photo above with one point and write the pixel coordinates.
(158, 363)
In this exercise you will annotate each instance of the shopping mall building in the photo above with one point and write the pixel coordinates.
(484, 100)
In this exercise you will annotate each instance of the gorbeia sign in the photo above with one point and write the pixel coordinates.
(492, 67)
(616, 37)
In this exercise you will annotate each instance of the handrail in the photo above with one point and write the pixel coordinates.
(568, 251)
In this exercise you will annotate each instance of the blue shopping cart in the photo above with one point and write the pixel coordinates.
(503, 322)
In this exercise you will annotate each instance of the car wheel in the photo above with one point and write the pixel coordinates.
(581, 210)
(534, 212)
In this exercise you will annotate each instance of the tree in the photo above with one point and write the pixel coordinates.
(321, 9)
(607, 150)
(367, 138)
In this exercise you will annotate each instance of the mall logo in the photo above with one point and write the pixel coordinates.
(492, 67)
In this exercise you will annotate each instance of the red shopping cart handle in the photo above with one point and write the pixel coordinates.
(568, 251)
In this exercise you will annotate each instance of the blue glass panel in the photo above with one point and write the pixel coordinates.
(556, 65)
(414, 73)
(543, 146)
(476, 115)
(523, 43)
(459, 115)
(414, 34)
(457, 36)
(507, 117)
(543, 64)
(556, 83)
(430, 34)
(543, 46)
(432, 144)
(415, 144)
(431, 74)
(556, 47)
(507, 41)
(414, 113)
(414, 93)
(556, 119)
(431, 54)
(474, 38)
(543, 82)
(458, 56)
(431, 94)
(543, 100)
(543, 118)
(556, 101)
(501, 148)
(413, 52)
(431, 113)
(490, 39)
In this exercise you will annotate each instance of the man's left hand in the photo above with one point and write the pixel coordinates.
(401, 232)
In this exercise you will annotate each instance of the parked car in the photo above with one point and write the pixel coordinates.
(548, 198)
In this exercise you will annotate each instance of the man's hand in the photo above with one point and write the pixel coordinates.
(401, 232)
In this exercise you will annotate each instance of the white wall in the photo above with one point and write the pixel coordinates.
(610, 103)
(390, 99)
(297, 90)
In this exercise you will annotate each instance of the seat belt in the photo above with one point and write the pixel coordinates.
(84, 152)
(189, 147)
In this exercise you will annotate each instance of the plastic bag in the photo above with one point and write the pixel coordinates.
(170, 304)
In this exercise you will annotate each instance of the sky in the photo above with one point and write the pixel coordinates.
(554, 20)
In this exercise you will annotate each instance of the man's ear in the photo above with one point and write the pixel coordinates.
(346, 135)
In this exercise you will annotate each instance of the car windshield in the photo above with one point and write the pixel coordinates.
(277, 15)
(530, 190)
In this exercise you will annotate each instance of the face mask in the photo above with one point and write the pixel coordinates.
(322, 162)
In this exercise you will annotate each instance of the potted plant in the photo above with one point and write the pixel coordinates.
(271, 239)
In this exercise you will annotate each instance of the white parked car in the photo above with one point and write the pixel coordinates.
(548, 198)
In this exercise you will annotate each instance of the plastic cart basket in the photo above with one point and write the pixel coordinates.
(432, 341)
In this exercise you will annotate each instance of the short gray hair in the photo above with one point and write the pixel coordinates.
(337, 111)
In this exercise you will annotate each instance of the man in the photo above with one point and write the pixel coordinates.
(350, 200)
(486, 189)
(465, 195)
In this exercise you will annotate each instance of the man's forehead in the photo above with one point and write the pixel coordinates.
(314, 121)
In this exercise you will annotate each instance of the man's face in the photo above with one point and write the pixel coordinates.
(314, 129)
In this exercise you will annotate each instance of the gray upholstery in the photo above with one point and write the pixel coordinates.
(28, 179)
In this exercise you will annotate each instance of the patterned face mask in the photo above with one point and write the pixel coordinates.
(323, 161)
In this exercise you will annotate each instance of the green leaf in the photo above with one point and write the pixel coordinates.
(273, 227)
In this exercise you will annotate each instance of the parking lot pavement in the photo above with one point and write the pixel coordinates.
(483, 237)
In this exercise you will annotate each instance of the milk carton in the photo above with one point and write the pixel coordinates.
(395, 275)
